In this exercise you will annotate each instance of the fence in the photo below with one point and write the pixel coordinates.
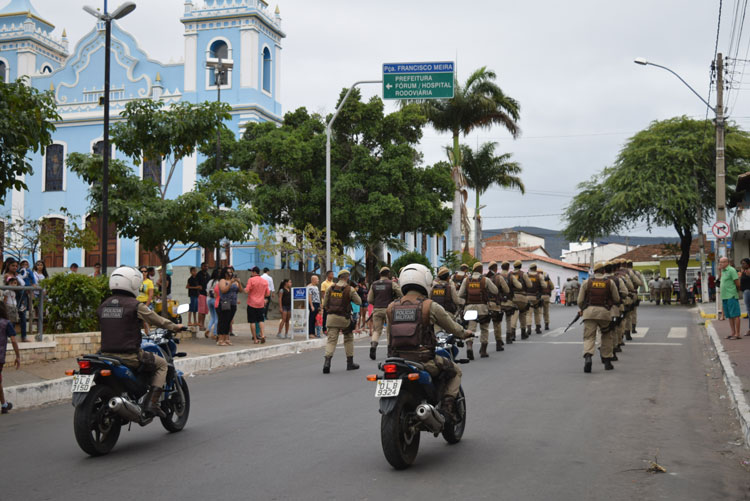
(33, 291)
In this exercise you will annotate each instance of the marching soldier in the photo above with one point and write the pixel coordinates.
(496, 305)
(638, 281)
(382, 293)
(476, 289)
(459, 276)
(444, 292)
(509, 307)
(521, 299)
(547, 288)
(652, 288)
(338, 302)
(597, 298)
(628, 302)
(566, 288)
(666, 290)
(576, 287)
(535, 297)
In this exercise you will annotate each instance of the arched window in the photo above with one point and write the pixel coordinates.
(219, 50)
(94, 255)
(53, 252)
(3, 71)
(53, 167)
(152, 170)
(46, 69)
(98, 149)
(266, 70)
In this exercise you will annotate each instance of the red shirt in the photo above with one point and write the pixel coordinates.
(257, 291)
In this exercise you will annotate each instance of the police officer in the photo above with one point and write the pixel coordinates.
(567, 290)
(509, 307)
(535, 297)
(444, 291)
(575, 288)
(628, 302)
(547, 287)
(596, 299)
(521, 299)
(638, 281)
(120, 318)
(476, 290)
(459, 276)
(496, 304)
(652, 288)
(338, 302)
(382, 292)
(619, 308)
(411, 332)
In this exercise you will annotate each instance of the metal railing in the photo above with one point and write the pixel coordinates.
(32, 290)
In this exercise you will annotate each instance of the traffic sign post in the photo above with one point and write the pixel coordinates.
(418, 80)
(720, 229)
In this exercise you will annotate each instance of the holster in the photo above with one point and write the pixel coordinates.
(147, 360)
(496, 315)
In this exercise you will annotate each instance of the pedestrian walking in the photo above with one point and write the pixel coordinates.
(194, 288)
(313, 306)
(729, 286)
(257, 294)
(229, 286)
(7, 333)
(285, 307)
(268, 278)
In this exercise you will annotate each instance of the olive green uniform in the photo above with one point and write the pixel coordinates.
(598, 318)
(338, 323)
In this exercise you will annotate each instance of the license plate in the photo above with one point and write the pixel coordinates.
(387, 388)
(82, 383)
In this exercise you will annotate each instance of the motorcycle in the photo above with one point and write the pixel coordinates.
(410, 402)
(107, 395)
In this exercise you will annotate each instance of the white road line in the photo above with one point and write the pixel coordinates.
(677, 333)
(642, 331)
(642, 343)
(554, 332)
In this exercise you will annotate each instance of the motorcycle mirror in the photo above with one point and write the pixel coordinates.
(471, 315)
(183, 308)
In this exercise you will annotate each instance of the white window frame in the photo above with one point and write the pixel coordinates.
(7, 69)
(64, 166)
(210, 71)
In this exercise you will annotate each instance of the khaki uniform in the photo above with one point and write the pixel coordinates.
(627, 304)
(666, 291)
(652, 290)
(378, 314)
(575, 289)
(536, 300)
(452, 292)
(338, 323)
(598, 318)
(521, 300)
(510, 307)
(547, 287)
(482, 310)
(496, 306)
(638, 282)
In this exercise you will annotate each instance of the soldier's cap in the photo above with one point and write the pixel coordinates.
(506, 264)
(492, 263)
(343, 272)
(443, 271)
(477, 266)
(464, 266)
(384, 269)
(628, 261)
(517, 263)
(599, 266)
(532, 267)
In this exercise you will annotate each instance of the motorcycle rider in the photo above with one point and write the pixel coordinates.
(411, 332)
(382, 293)
(476, 290)
(497, 302)
(444, 292)
(120, 318)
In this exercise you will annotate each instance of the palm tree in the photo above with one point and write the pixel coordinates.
(479, 103)
(482, 170)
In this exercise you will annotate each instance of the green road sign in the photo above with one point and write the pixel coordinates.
(418, 80)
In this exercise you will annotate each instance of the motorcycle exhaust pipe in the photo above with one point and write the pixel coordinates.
(431, 418)
(125, 408)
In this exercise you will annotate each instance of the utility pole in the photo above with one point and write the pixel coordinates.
(721, 193)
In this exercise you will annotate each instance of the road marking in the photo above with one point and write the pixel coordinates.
(677, 333)
(554, 332)
(641, 343)
(642, 331)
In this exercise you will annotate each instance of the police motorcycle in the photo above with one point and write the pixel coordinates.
(410, 402)
(107, 395)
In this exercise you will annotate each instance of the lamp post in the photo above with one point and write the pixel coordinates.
(122, 11)
(720, 172)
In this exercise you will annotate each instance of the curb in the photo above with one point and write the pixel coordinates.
(734, 385)
(29, 395)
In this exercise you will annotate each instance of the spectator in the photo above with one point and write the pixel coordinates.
(146, 293)
(194, 288)
(7, 332)
(25, 279)
(313, 304)
(729, 286)
(285, 307)
(40, 272)
(318, 324)
(203, 278)
(97, 270)
(73, 268)
(745, 286)
(10, 268)
(164, 277)
(213, 284)
(711, 287)
(268, 278)
(323, 288)
(257, 293)
(362, 293)
(697, 288)
(229, 286)
(676, 288)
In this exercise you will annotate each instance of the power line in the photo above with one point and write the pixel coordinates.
(520, 216)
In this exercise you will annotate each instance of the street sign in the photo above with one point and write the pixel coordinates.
(418, 80)
(300, 313)
(720, 229)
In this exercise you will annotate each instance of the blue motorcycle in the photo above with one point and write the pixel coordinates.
(108, 395)
(410, 404)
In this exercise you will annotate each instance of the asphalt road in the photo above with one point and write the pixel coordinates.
(538, 429)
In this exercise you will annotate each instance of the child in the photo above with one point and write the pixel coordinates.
(6, 331)
(318, 324)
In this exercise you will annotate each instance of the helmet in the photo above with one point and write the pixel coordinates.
(126, 278)
(416, 277)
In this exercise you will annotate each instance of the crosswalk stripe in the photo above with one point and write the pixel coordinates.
(677, 332)
(642, 331)
(554, 332)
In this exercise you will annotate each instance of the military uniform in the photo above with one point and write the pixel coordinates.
(638, 281)
(628, 302)
(521, 299)
(547, 288)
(460, 275)
(337, 302)
(444, 292)
(535, 297)
(575, 289)
(476, 290)
(652, 290)
(666, 290)
(382, 293)
(510, 308)
(497, 304)
(597, 298)
(619, 308)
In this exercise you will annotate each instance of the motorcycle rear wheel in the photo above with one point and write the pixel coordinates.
(177, 408)
(400, 446)
(96, 428)
(452, 434)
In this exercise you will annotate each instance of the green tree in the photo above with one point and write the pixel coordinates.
(478, 103)
(483, 170)
(27, 119)
(410, 258)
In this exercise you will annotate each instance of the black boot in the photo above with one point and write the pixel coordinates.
(608, 364)
(538, 329)
(448, 408)
(546, 326)
(528, 330)
(373, 350)
(483, 350)
(628, 337)
(633, 329)
(350, 365)
(470, 351)
(512, 336)
(617, 349)
(327, 365)
(499, 345)
(152, 403)
(613, 358)
(524, 333)
(587, 363)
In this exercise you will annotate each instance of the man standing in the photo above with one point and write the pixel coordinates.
(535, 297)
(729, 286)
(521, 299)
(268, 278)
(97, 270)
(203, 278)
(596, 298)
(652, 288)
(476, 290)
(547, 288)
(337, 302)
(382, 293)
(509, 307)
(257, 294)
(323, 288)
(313, 304)
(444, 292)
(497, 303)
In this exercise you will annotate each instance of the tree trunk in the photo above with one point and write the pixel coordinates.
(164, 258)
(456, 217)
(686, 239)
(477, 232)
(424, 243)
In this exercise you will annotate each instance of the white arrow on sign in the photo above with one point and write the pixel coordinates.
(388, 86)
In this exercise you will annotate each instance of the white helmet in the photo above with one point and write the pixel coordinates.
(415, 277)
(126, 278)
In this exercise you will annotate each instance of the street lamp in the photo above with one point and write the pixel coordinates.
(122, 11)
(720, 172)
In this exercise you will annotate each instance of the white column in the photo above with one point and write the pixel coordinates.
(191, 62)
(26, 64)
(189, 172)
(18, 206)
(249, 58)
(277, 58)
(433, 252)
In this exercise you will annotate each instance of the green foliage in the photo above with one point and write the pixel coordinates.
(483, 169)
(72, 302)
(309, 243)
(410, 258)
(26, 125)
(453, 260)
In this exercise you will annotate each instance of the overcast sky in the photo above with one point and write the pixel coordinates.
(569, 64)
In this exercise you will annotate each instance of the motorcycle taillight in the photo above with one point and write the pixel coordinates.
(85, 366)
(391, 371)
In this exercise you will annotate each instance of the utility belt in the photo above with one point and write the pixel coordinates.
(421, 355)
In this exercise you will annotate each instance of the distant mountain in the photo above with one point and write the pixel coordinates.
(555, 243)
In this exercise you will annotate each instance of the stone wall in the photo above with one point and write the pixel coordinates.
(55, 347)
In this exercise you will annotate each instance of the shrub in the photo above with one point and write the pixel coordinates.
(72, 300)
(410, 258)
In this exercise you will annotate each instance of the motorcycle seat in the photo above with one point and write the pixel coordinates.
(108, 358)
